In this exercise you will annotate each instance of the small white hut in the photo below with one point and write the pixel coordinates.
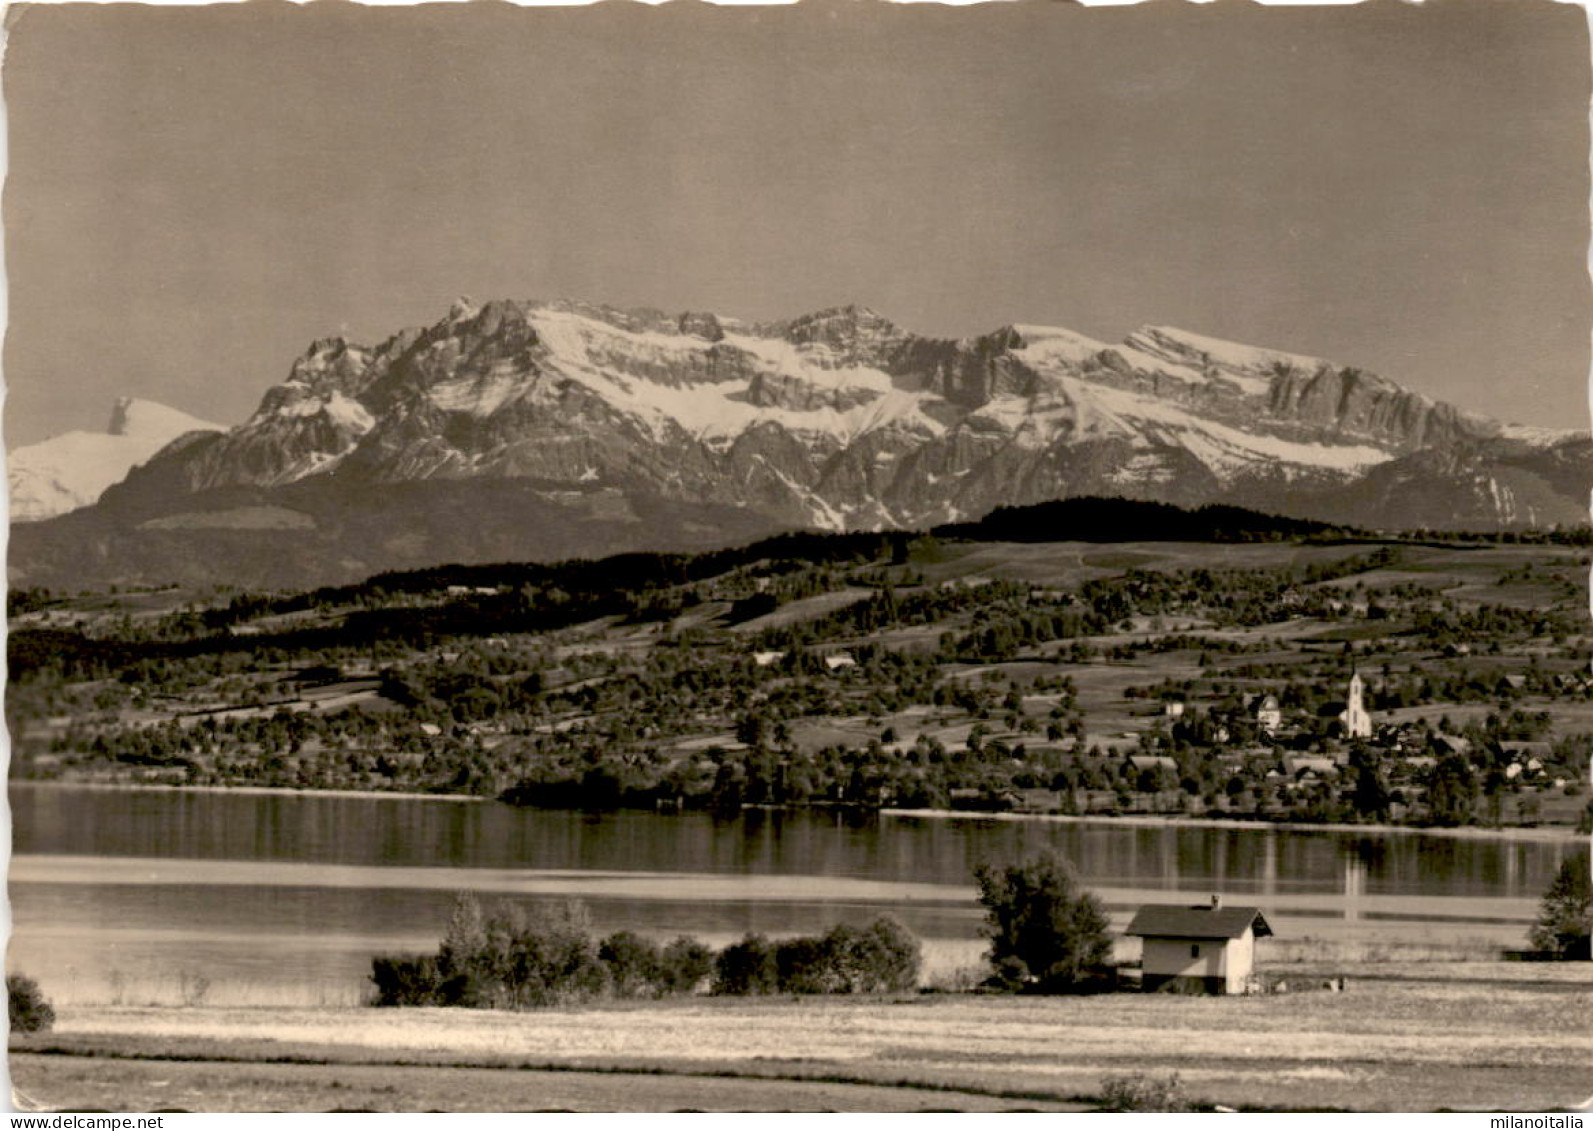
(1208, 949)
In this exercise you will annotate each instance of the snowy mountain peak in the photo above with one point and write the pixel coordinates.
(72, 470)
(139, 418)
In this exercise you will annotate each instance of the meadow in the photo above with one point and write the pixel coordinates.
(1419, 1035)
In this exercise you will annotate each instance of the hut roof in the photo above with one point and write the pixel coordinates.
(1197, 922)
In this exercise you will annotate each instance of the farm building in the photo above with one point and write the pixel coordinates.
(1300, 766)
(1139, 763)
(1209, 949)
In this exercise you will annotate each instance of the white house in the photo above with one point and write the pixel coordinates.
(1209, 949)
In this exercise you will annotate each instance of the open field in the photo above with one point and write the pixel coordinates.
(807, 608)
(1418, 1036)
(98, 1083)
(1066, 564)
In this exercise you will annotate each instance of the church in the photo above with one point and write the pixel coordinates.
(1355, 717)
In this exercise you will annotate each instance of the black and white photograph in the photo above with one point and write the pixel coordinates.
(838, 556)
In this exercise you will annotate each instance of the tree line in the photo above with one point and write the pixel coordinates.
(516, 957)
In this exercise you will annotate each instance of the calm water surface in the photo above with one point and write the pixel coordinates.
(142, 893)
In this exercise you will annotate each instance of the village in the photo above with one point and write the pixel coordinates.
(1271, 760)
(1326, 684)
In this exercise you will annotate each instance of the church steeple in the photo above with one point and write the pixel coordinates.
(1357, 720)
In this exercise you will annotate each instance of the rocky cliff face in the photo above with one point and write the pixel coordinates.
(842, 419)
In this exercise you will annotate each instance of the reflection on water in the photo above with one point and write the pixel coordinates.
(303, 888)
(307, 828)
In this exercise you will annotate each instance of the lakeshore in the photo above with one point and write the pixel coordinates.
(1539, 833)
(242, 790)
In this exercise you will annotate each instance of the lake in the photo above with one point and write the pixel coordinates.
(253, 897)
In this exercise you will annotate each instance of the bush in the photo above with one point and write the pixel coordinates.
(1047, 934)
(1143, 1092)
(519, 959)
(639, 967)
(1565, 919)
(405, 979)
(512, 959)
(30, 1012)
(883, 957)
(535, 958)
(683, 966)
(805, 965)
(635, 967)
(747, 967)
(1008, 974)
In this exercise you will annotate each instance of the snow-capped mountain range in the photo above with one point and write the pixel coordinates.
(597, 421)
(71, 470)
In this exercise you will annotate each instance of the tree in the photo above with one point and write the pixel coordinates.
(1452, 795)
(1047, 934)
(1565, 919)
(467, 927)
(459, 962)
(1371, 796)
(30, 1012)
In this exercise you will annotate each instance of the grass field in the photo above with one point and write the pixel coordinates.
(1412, 1036)
(1069, 563)
(200, 1085)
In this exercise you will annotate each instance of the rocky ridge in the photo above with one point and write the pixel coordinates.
(842, 419)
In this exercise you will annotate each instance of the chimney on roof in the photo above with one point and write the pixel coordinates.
(1216, 902)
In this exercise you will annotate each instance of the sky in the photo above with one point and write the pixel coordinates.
(195, 194)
